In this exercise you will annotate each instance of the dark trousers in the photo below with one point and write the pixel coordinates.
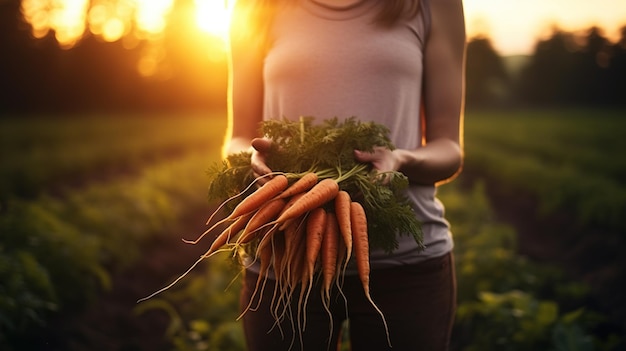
(418, 302)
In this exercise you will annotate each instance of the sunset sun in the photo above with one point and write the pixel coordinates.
(213, 17)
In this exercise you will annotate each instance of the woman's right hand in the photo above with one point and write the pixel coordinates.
(260, 149)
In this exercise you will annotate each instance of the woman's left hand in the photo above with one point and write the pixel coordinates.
(382, 159)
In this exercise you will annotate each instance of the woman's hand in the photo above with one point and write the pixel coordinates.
(260, 149)
(382, 159)
(438, 161)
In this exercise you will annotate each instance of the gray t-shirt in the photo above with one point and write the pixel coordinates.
(326, 61)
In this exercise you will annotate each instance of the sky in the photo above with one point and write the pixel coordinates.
(515, 25)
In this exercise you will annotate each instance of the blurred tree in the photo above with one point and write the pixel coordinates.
(569, 69)
(39, 76)
(487, 80)
(19, 52)
(547, 78)
(617, 71)
(593, 61)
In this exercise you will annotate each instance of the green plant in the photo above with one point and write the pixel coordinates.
(203, 310)
(505, 302)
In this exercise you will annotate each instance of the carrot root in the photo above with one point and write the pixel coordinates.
(361, 250)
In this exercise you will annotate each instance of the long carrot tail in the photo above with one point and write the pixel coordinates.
(326, 304)
(193, 242)
(342, 261)
(174, 282)
(369, 298)
(260, 282)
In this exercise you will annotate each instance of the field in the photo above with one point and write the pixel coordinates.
(570, 160)
(93, 210)
(556, 177)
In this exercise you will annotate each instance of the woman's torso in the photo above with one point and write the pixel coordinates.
(326, 62)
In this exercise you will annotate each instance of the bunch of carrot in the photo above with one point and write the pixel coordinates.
(298, 230)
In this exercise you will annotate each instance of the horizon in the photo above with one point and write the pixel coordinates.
(514, 26)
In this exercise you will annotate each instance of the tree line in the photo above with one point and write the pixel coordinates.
(564, 69)
(37, 76)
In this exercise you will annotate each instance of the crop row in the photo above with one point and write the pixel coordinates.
(567, 161)
(46, 154)
(57, 254)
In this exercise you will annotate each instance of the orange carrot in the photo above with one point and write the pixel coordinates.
(330, 245)
(306, 182)
(360, 242)
(264, 216)
(296, 253)
(284, 225)
(233, 229)
(251, 203)
(341, 251)
(292, 233)
(262, 195)
(342, 210)
(241, 193)
(265, 256)
(321, 193)
(315, 227)
(361, 253)
(290, 202)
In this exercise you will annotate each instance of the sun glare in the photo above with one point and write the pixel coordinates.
(109, 20)
(65, 17)
(213, 17)
(151, 15)
(112, 20)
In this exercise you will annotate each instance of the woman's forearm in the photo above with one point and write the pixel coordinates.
(437, 162)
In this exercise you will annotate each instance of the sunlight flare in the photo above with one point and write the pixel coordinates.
(151, 15)
(213, 17)
(67, 18)
(113, 20)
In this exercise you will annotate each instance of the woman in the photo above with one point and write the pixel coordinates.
(396, 62)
